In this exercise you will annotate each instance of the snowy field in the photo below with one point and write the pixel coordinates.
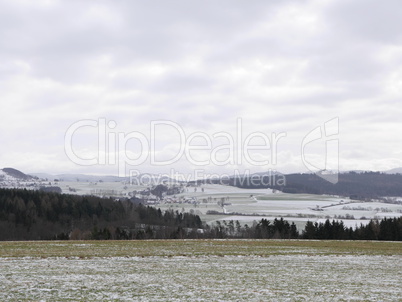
(253, 205)
(200, 271)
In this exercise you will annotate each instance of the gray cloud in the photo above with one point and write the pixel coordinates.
(285, 66)
(367, 20)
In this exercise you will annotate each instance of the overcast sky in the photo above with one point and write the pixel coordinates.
(272, 68)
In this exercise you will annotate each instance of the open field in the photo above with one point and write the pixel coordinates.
(201, 270)
(249, 205)
(298, 208)
(255, 204)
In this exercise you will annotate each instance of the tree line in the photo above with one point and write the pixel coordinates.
(38, 215)
(387, 229)
(360, 186)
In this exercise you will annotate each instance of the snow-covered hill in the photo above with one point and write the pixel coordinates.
(14, 175)
(13, 178)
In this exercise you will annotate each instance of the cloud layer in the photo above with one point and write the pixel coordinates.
(279, 66)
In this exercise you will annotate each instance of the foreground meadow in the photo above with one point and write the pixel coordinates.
(201, 270)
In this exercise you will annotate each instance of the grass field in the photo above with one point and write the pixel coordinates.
(201, 270)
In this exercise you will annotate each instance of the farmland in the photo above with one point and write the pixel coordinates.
(200, 270)
(261, 202)
(249, 205)
(214, 202)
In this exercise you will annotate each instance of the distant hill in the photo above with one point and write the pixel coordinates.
(15, 174)
(364, 185)
(79, 177)
(394, 171)
(356, 185)
(232, 179)
(142, 178)
(89, 178)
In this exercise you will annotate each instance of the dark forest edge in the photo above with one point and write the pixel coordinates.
(358, 186)
(38, 215)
